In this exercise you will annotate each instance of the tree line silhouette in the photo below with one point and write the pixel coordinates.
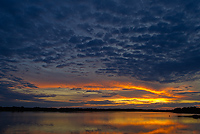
(193, 110)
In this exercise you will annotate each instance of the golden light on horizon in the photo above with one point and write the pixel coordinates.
(98, 93)
(141, 100)
(111, 85)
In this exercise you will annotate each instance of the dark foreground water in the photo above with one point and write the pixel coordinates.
(97, 123)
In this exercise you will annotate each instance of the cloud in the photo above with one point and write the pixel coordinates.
(138, 93)
(76, 89)
(190, 93)
(109, 94)
(151, 41)
(99, 102)
(150, 44)
(95, 91)
(8, 95)
(160, 47)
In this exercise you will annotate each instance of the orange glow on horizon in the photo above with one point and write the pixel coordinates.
(113, 85)
(142, 100)
(150, 96)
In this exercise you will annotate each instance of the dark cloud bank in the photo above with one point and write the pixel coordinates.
(150, 40)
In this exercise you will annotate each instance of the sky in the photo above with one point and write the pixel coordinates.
(100, 53)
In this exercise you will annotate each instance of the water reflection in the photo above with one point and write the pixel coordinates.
(97, 123)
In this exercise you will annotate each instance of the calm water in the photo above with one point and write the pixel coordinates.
(97, 123)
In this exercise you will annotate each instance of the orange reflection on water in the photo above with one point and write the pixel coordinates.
(98, 123)
(136, 118)
(138, 122)
(166, 130)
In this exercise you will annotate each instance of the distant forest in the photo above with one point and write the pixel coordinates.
(193, 110)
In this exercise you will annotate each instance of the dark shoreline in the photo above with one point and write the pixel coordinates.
(35, 109)
(191, 116)
(189, 110)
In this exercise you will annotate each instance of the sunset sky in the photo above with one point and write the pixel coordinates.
(100, 53)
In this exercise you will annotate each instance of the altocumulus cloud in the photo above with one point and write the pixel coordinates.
(150, 40)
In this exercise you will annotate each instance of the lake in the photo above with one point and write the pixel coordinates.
(97, 123)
